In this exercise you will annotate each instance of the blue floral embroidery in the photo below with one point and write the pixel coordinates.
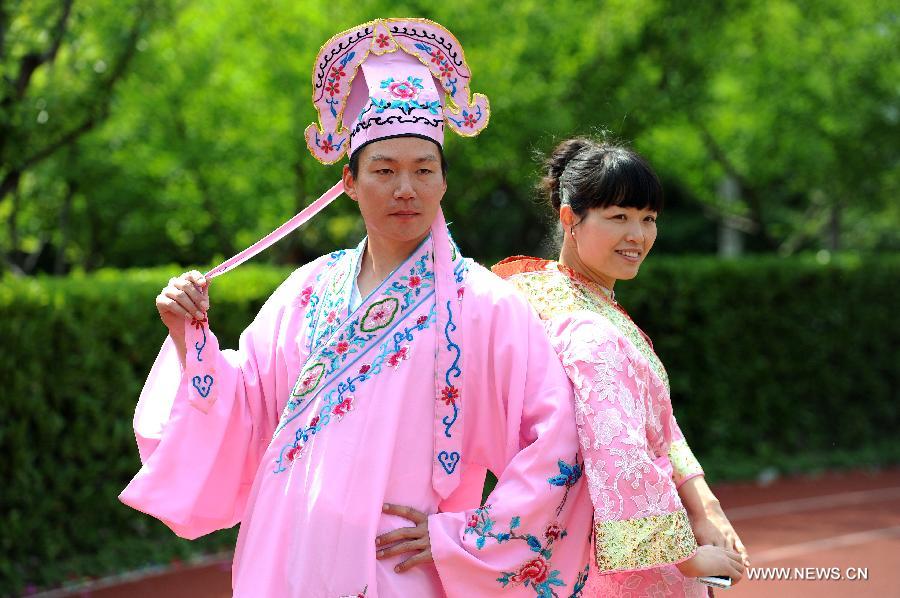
(469, 119)
(580, 582)
(454, 371)
(568, 477)
(536, 572)
(404, 97)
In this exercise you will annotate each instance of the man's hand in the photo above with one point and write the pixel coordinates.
(406, 539)
(185, 297)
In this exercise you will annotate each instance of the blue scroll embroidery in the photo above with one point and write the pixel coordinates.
(203, 386)
(199, 347)
(454, 369)
(448, 461)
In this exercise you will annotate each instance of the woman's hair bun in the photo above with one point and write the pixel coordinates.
(556, 163)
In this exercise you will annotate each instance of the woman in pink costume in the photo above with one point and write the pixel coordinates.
(651, 504)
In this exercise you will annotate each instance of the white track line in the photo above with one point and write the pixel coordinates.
(104, 583)
(795, 550)
(813, 503)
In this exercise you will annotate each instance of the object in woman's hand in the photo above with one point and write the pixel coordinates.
(717, 581)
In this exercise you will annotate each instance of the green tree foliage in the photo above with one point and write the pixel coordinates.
(172, 130)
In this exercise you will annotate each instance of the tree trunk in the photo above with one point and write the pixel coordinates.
(833, 241)
(59, 267)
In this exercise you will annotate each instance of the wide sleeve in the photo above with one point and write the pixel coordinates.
(639, 521)
(529, 536)
(201, 434)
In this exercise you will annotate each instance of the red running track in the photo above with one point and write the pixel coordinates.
(814, 530)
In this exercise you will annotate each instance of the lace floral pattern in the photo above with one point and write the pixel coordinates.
(627, 432)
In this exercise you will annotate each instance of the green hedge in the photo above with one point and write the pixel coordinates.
(774, 363)
(783, 364)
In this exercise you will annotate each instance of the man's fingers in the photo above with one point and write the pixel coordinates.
(172, 306)
(405, 512)
(191, 290)
(185, 302)
(419, 559)
(402, 547)
(402, 533)
(196, 278)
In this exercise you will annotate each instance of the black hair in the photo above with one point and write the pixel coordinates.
(599, 174)
(354, 159)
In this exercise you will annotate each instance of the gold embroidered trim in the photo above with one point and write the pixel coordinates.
(552, 293)
(643, 543)
(684, 463)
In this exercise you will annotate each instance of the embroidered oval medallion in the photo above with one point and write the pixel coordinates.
(380, 314)
(308, 381)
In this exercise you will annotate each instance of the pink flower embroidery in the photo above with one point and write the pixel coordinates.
(437, 57)
(473, 521)
(365, 368)
(420, 321)
(341, 409)
(294, 453)
(378, 315)
(314, 422)
(342, 347)
(326, 146)
(403, 90)
(446, 70)
(414, 281)
(333, 88)
(337, 72)
(397, 358)
(460, 292)
(469, 121)
(536, 570)
(382, 40)
(331, 317)
(450, 394)
(552, 532)
(305, 296)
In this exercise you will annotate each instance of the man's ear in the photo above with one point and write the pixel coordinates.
(349, 183)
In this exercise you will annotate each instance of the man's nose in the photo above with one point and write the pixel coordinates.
(404, 189)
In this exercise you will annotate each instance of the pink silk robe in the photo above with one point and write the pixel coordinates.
(635, 456)
(324, 413)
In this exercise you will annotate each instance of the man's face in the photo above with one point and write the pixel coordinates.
(399, 189)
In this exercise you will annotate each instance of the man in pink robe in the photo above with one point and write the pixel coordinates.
(396, 372)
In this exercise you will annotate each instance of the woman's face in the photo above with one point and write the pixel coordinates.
(612, 242)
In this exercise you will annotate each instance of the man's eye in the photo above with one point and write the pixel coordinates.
(384, 171)
(425, 171)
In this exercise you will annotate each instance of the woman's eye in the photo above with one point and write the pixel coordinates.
(650, 218)
(620, 217)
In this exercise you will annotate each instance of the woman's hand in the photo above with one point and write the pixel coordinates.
(714, 528)
(406, 539)
(713, 560)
